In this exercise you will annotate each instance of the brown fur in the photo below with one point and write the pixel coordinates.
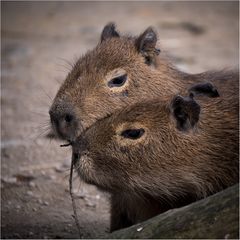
(165, 168)
(86, 92)
(169, 168)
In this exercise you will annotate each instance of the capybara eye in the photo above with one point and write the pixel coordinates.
(117, 81)
(133, 133)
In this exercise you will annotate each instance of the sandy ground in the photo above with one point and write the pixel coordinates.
(37, 40)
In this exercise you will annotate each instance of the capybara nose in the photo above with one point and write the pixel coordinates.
(64, 121)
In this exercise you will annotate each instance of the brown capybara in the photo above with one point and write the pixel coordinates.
(161, 154)
(121, 71)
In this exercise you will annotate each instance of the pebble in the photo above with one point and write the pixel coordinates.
(32, 184)
(227, 236)
(52, 177)
(29, 193)
(90, 204)
(60, 169)
(45, 203)
(139, 229)
(98, 196)
(81, 195)
(34, 209)
(65, 166)
(9, 179)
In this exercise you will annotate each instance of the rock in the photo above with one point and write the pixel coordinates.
(97, 196)
(215, 217)
(90, 204)
(10, 180)
(45, 203)
(29, 193)
(32, 184)
(60, 169)
(81, 194)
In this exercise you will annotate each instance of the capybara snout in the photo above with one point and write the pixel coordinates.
(64, 120)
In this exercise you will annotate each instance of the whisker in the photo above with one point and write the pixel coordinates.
(67, 175)
(42, 127)
(66, 61)
(63, 68)
(40, 135)
(45, 114)
(46, 93)
(58, 81)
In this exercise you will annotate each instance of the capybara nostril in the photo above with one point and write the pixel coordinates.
(68, 118)
(64, 121)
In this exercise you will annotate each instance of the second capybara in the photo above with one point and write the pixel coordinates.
(162, 154)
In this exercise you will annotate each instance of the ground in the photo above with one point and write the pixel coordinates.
(38, 39)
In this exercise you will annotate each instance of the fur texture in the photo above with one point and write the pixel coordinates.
(87, 96)
(86, 89)
(165, 167)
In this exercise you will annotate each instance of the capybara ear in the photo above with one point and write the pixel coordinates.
(204, 89)
(186, 111)
(109, 31)
(146, 45)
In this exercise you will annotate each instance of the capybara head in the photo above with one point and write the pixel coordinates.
(119, 71)
(130, 148)
(153, 148)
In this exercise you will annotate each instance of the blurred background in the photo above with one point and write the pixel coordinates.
(39, 41)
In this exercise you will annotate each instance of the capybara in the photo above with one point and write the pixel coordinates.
(121, 71)
(161, 154)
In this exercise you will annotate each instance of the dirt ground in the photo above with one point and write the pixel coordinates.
(37, 41)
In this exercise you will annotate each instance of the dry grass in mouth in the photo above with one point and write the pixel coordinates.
(75, 216)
